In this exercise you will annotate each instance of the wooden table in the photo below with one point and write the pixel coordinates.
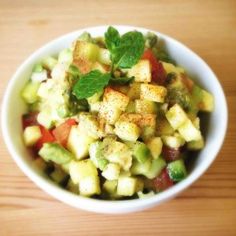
(208, 207)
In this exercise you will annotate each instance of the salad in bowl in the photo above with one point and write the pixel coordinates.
(113, 117)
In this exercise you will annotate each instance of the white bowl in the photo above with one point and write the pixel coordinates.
(13, 108)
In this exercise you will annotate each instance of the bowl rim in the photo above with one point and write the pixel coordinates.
(97, 205)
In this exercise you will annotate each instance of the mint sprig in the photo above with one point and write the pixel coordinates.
(125, 50)
(90, 83)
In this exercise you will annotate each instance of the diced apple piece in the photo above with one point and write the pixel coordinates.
(127, 131)
(116, 99)
(155, 146)
(153, 93)
(31, 135)
(176, 116)
(141, 71)
(78, 142)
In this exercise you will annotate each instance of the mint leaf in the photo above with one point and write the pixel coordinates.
(112, 38)
(126, 50)
(90, 83)
(121, 80)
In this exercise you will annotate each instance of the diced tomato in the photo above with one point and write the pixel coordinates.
(47, 137)
(29, 119)
(158, 71)
(61, 132)
(162, 182)
(170, 154)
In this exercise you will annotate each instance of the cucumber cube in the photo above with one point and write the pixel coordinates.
(157, 166)
(140, 168)
(177, 170)
(29, 92)
(110, 186)
(126, 186)
(31, 135)
(89, 186)
(141, 152)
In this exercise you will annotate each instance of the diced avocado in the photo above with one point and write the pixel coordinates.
(49, 62)
(102, 163)
(85, 50)
(29, 92)
(110, 186)
(38, 68)
(127, 186)
(148, 132)
(141, 152)
(78, 142)
(155, 146)
(153, 92)
(82, 169)
(177, 170)
(111, 171)
(140, 168)
(74, 188)
(145, 107)
(58, 175)
(173, 141)
(31, 135)
(176, 116)
(189, 132)
(157, 166)
(127, 131)
(65, 56)
(130, 108)
(164, 127)
(55, 153)
(141, 71)
(134, 91)
(196, 145)
(118, 152)
(96, 155)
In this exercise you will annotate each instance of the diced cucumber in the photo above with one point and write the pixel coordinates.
(78, 143)
(127, 131)
(38, 68)
(82, 169)
(177, 170)
(58, 175)
(102, 163)
(157, 166)
(196, 145)
(55, 153)
(110, 186)
(141, 152)
(45, 119)
(174, 141)
(140, 168)
(145, 107)
(31, 135)
(155, 146)
(189, 132)
(111, 171)
(38, 77)
(65, 56)
(96, 155)
(127, 186)
(49, 62)
(29, 92)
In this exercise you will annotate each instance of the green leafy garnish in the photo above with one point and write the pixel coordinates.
(121, 80)
(90, 83)
(125, 50)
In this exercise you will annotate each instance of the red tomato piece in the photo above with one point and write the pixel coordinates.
(162, 182)
(46, 137)
(61, 132)
(158, 71)
(29, 119)
(170, 154)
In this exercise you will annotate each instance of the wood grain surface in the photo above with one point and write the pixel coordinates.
(208, 207)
